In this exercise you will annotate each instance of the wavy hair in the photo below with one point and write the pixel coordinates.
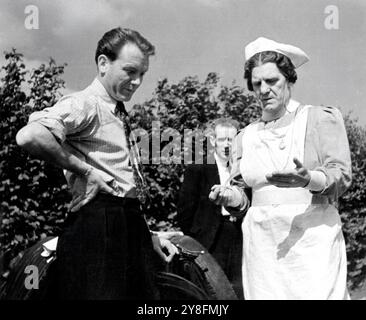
(112, 42)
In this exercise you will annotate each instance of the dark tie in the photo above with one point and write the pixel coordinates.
(228, 166)
(142, 189)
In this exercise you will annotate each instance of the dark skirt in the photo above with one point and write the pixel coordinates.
(104, 252)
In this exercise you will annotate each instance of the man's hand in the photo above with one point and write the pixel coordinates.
(160, 243)
(223, 196)
(219, 195)
(40, 142)
(299, 177)
(87, 187)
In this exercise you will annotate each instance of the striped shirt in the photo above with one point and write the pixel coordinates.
(86, 125)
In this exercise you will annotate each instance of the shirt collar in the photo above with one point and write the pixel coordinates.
(99, 90)
(221, 163)
(292, 105)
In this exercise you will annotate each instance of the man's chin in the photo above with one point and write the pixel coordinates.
(124, 97)
(224, 157)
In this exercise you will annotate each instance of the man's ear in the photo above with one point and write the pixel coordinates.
(103, 64)
(290, 86)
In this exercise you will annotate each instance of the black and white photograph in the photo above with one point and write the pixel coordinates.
(182, 155)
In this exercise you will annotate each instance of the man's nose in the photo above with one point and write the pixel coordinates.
(227, 143)
(137, 81)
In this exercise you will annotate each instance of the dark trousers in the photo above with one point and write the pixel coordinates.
(104, 252)
(227, 250)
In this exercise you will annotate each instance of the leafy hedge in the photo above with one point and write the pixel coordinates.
(353, 206)
(33, 194)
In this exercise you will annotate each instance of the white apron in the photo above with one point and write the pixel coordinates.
(293, 247)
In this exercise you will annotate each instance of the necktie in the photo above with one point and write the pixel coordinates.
(228, 166)
(142, 189)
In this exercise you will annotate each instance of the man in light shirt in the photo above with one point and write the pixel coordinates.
(210, 224)
(102, 251)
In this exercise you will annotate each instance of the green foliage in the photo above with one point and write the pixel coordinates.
(33, 194)
(353, 206)
(239, 106)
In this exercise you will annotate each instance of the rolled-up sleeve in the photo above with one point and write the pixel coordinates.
(66, 117)
(334, 152)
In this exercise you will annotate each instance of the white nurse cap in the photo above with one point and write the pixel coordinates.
(296, 55)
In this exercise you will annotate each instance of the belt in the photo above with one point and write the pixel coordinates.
(123, 201)
(288, 196)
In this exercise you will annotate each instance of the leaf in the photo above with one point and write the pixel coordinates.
(19, 238)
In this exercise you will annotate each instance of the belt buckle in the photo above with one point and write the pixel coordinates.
(233, 219)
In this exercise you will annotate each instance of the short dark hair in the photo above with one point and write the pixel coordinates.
(112, 42)
(283, 63)
(224, 122)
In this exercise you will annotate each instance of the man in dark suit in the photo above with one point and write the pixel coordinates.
(208, 223)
